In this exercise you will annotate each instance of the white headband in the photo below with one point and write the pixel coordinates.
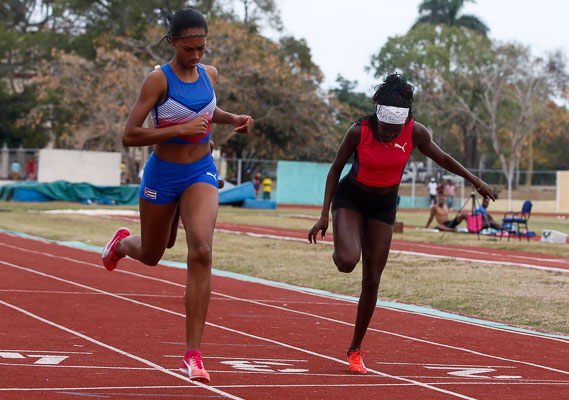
(392, 115)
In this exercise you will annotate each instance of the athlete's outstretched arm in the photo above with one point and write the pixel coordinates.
(347, 148)
(422, 140)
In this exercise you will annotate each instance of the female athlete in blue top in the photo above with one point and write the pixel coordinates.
(180, 173)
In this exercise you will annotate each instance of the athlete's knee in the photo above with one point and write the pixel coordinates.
(150, 259)
(345, 262)
(371, 283)
(200, 253)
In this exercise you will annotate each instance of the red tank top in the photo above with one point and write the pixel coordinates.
(381, 164)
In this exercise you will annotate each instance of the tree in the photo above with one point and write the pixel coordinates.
(429, 57)
(87, 101)
(359, 102)
(26, 38)
(348, 105)
(500, 90)
(517, 91)
(446, 12)
(550, 142)
(278, 88)
(254, 11)
(297, 54)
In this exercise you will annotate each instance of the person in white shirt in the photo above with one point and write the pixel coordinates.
(432, 187)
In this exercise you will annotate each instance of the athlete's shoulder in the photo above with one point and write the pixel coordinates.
(155, 80)
(354, 131)
(419, 127)
(211, 72)
(156, 76)
(421, 134)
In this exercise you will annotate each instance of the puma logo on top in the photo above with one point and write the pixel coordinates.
(401, 147)
(214, 177)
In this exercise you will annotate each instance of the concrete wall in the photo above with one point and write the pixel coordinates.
(300, 182)
(562, 203)
(303, 183)
(94, 167)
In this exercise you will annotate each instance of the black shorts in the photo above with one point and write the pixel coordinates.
(381, 207)
(451, 224)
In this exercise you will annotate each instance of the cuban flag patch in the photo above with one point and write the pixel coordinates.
(151, 194)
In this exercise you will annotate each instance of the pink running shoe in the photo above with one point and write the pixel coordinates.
(193, 366)
(109, 255)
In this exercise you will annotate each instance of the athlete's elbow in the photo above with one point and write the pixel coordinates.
(127, 140)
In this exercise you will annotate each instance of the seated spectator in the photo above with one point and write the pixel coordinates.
(487, 220)
(15, 170)
(440, 212)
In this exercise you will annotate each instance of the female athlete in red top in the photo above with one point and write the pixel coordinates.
(364, 201)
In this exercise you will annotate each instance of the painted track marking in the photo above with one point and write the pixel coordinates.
(338, 321)
(112, 348)
(417, 383)
(183, 285)
(287, 287)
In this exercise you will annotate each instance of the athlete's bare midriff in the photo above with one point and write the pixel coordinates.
(181, 153)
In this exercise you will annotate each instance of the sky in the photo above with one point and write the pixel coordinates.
(344, 34)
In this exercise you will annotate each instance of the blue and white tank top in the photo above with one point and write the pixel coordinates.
(185, 102)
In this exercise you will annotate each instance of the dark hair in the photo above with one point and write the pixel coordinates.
(188, 18)
(394, 91)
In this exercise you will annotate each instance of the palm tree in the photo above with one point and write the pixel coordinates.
(446, 12)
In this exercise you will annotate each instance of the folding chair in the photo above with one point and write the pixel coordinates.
(514, 222)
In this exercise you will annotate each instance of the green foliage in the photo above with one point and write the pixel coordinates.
(297, 54)
(359, 102)
(256, 78)
(14, 107)
(447, 13)
(440, 63)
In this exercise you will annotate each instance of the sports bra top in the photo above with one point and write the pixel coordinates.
(185, 102)
(380, 164)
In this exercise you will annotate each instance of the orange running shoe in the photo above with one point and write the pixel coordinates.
(109, 254)
(193, 366)
(356, 363)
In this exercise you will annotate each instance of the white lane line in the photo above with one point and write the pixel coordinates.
(49, 351)
(229, 330)
(414, 244)
(85, 293)
(288, 288)
(413, 253)
(246, 358)
(401, 335)
(116, 350)
(342, 322)
(56, 389)
(489, 252)
(350, 385)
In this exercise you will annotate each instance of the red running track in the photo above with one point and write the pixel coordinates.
(468, 253)
(472, 253)
(71, 329)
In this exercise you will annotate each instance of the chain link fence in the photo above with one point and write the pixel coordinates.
(14, 166)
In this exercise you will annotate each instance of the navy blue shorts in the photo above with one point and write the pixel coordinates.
(164, 182)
